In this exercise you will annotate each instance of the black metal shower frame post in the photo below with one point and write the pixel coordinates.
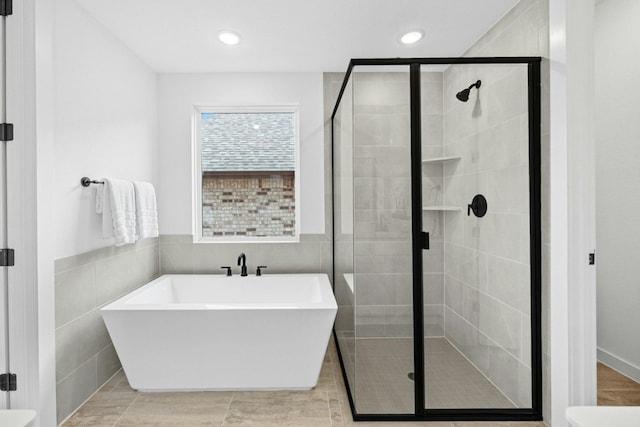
(534, 127)
(535, 227)
(416, 236)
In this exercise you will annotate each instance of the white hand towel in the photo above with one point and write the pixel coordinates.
(119, 200)
(103, 206)
(146, 209)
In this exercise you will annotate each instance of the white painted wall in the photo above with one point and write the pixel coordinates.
(617, 62)
(571, 296)
(178, 93)
(32, 338)
(105, 112)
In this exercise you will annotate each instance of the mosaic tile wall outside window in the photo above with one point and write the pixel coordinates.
(248, 174)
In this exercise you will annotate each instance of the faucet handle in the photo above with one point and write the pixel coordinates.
(258, 271)
(228, 270)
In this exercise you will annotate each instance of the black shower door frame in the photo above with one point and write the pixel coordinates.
(421, 413)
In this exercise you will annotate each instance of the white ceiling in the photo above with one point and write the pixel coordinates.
(291, 35)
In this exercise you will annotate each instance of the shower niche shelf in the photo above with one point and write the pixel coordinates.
(440, 159)
(442, 208)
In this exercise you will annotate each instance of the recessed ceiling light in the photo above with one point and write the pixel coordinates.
(229, 37)
(412, 37)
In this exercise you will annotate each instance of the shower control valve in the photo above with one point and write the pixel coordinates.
(478, 206)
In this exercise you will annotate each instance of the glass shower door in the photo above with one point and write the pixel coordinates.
(343, 232)
(477, 276)
(382, 241)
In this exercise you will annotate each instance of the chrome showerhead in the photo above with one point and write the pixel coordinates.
(463, 95)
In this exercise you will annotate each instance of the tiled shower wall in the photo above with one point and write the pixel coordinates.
(382, 197)
(491, 324)
(382, 204)
(431, 87)
(487, 273)
(85, 357)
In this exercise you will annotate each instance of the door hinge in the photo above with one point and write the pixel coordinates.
(6, 7)
(592, 258)
(8, 382)
(7, 258)
(6, 130)
(425, 240)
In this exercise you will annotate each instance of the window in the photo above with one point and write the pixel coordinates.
(247, 182)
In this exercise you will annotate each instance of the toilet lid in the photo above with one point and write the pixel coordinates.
(604, 416)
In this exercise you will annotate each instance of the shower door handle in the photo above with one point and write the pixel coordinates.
(425, 240)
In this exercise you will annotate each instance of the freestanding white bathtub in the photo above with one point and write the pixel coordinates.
(212, 332)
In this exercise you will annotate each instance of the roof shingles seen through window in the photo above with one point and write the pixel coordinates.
(248, 142)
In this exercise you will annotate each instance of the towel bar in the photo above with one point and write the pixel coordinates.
(86, 181)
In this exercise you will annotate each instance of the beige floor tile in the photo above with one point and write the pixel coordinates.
(106, 406)
(498, 424)
(114, 381)
(116, 404)
(335, 409)
(401, 424)
(167, 424)
(197, 408)
(100, 411)
(279, 408)
(326, 379)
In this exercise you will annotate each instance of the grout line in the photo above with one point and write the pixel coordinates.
(326, 395)
(335, 385)
(123, 412)
(224, 419)
(462, 282)
(497, 344)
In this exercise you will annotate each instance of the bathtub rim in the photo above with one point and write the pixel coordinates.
(328, 298)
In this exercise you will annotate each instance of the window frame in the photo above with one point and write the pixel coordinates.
(196, 183)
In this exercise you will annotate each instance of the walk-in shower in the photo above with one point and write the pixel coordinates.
(436, 217)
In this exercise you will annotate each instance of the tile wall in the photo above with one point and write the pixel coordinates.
(85, 357)
(431, 87)
(524, 31)
(382, 204)
(179, 255)
(494, 305)
(487, 273)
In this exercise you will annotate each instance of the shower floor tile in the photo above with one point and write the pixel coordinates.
(383, 386)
